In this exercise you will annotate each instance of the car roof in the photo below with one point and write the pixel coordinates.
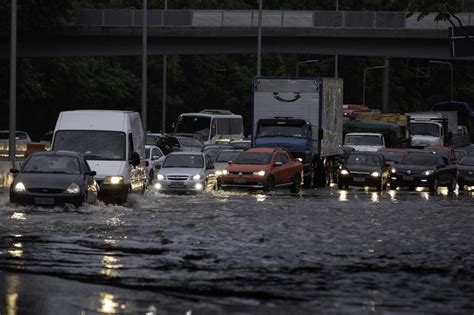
(186, 153)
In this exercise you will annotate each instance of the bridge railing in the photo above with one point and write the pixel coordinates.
(270, 18)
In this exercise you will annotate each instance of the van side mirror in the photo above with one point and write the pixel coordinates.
(278, 163)
(91, 173)
(14, 171)
(134, 158)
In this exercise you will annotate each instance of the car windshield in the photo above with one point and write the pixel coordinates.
(284, 130)
(361, 159)
(226, 156)
(394, 156)
(420, 159)
(424, 129)
(52, 164)
(467, 160)
(183, 161)
(363, 140)
(255, 158)
(93, 144)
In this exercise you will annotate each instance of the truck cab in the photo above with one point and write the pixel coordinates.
(426, 133)
(364, 141)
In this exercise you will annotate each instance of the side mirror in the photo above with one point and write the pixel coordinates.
(157, 166)
(91, 173)
(134, 158)
(147, 163)
(14, 171)
(230, 162)
(278, 164)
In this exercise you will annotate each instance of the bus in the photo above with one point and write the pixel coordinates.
(211, 126)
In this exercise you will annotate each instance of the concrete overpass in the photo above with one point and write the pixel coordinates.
(182, 32)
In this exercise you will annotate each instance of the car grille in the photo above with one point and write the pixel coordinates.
(177, 177)
(241, 173)
(45, 190)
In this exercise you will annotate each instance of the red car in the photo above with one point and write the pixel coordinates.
(263, 168)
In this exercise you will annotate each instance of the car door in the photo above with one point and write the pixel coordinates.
(280, 170)
(445, 170)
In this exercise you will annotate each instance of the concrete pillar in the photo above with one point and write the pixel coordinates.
(386, 86)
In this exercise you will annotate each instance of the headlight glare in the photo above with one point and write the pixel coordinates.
(393, 170)
(19, 187)
(160, 177)
(114, 180)
(428, 173)
(375, 174)
(73, 189)
(197, 177)
(259, 173)
(218, 173)
(225, 172)
(344, 172)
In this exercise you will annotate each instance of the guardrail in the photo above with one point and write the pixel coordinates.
(270, 18)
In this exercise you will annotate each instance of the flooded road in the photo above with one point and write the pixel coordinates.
(324, 251)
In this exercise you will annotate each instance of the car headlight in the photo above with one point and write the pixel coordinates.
(160, 177)
(225, 172)
(375, 174)
(428, 173)
(218, 173)
(393, 170)
(73, 189)
(344, 172)
(114, 180)
(19, 187)
(197, 177)
(259, 173)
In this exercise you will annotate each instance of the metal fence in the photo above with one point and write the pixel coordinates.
(270, 18)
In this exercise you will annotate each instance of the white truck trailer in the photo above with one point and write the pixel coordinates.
(303, 115)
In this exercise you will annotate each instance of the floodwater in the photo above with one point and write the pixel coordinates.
(323, 251)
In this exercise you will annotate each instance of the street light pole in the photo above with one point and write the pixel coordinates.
(144, 68)
(259, 45)
(13, 42)
(365, 77)
(303, 62)
(163, 105)
(451, 74)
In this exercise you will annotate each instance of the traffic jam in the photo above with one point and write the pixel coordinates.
(305, 138)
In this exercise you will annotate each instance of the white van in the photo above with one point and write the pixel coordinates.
(113, 144)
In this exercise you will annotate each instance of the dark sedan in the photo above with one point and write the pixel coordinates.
(466, 172)
(419, 169)
(54, 178)
(364, 169)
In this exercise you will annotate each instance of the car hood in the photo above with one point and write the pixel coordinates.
(363, 168)
(247, 168)
(413, 168)
(421, 140)
(53, 181)
(184, 171)
(466, 168)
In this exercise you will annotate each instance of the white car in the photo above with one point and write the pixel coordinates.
(223, 158)
(153, 157)
(185, 172)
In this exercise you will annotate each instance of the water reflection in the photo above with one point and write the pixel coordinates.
(107, 303)
(425, 195)
(110, 265)
(12, 288)
(393, 195)
(261, 197)
(342, 195)
(16, 251)
(375, 197)
(18, 216)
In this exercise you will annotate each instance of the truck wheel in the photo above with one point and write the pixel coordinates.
(296, 187)
(270, 184)
(433, 185)
(320, 174)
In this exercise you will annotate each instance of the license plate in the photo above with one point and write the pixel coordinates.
(44, 201)
(407, 177)
(239, 181)
(176, 184)
(359, 179)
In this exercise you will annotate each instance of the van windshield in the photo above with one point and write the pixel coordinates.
(194, 124)
(93, 144)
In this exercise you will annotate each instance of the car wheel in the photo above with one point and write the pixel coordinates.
(270, 184)
(452, 185)
(434, 185)
(296, 187)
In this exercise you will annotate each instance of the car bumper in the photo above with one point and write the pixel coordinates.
(242, 182)
(360, 180)
(179, 186)
(46, 199)
(411, 180)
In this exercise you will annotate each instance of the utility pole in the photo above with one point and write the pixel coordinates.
(259, 45)
(386, 86)
(163, 106)
(144, 68)
(13, 42)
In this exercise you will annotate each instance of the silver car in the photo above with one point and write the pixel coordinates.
(185, 172)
